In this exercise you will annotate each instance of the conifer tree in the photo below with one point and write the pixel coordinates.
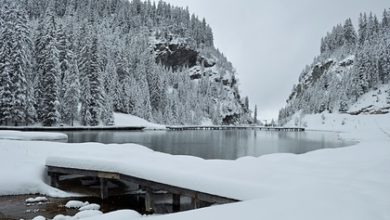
(6, 85)
(91, 74)
(49, 79)
(15, 63)
(349, 34)
(362, 28)
(255, 115)
(5, 93)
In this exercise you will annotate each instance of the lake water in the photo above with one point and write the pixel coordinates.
(225, 144)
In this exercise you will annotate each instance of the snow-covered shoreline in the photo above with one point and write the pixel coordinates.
(32, 136)
(122, 121)
(344, 183)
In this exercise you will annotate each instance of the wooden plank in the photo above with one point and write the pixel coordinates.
(145, 184)
(175, 203)
(149, 202)
(114, 176)
(103, 189)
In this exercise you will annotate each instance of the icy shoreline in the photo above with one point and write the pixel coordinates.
(345, 183)
(32, 136)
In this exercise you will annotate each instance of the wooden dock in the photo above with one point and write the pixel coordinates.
(262, 128)
(197, 198)
(108, 128)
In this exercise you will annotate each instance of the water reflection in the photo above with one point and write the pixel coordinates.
(229, 144)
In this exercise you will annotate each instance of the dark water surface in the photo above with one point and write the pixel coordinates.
(225, 144)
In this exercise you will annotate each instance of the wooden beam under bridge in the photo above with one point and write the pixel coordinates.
(149, 185)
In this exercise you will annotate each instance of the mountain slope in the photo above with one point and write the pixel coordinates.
(155, 61)
(351, 65)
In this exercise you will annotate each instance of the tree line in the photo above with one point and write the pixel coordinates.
(68, 62)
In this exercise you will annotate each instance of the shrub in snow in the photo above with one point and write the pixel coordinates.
(39, 218)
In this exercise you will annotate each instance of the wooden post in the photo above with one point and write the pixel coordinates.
(103, 189)
(54, 180)
(148, 202)
(175, 203)
(194, 203)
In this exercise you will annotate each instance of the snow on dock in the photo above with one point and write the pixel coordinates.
(231, 127)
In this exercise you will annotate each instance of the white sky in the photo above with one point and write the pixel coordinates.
(269, 42)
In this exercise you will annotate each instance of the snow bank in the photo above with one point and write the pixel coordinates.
(32, 136)
(74, 204)
(92, 206)
(344, 183)
(131, 120)
(87, 214)
(118, 215)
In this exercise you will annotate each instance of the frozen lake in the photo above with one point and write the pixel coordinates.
(229, 144)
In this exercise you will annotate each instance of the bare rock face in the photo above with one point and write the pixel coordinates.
(176, 56)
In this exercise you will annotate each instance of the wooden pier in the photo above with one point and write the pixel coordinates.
(197, 198)
(262, 128)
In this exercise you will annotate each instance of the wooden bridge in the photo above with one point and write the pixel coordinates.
(148, 186)
(262, 128)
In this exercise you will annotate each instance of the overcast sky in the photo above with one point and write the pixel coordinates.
(269, 42)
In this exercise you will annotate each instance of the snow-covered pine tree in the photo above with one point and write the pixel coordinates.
(71, 95)
(71, 82)
(5, 93)
(255, 115)
(91, 74)
(111, 83)
(96, 85)
(350, 37)
(362, 31)
(246, 104)
(63, 57)
(50, 69)
(111, 86)
(85, 111)
(153, 76)
(20, 60)
(6, 35)
(142, 107)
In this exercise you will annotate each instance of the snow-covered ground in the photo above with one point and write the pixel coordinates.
(131, 120)
(33, 136)
(373, 101)
(345, 183)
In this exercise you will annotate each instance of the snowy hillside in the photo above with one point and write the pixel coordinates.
(152, 60)
(351, 75)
